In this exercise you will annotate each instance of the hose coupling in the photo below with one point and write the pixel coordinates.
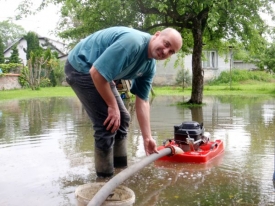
(173, 150)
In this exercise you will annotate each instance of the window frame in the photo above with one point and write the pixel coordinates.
(211, 59)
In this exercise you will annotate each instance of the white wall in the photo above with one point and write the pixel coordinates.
(22, 44)
(167, 72)
(22, 55)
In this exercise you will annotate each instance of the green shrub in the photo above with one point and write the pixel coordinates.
(11, 67)
(22, 78)
(45, 82)
(59, 73)
(238, 75)
(14, 58)
(52, 78)
(183, 78)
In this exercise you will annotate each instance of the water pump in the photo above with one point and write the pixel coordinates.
(190, 133)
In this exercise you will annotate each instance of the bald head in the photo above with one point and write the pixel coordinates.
(164, 43)
(173, 34)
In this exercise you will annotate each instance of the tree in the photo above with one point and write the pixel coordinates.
(32, 44)
(32, 72)
(209, 22)
(268, 59)
(51, 66)
(78, 21)
(183, 78)
(14, 58)
(40, 61)
(41, 65)
(9, 32)
(2, 57)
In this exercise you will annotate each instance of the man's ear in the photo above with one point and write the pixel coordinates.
(157, 33)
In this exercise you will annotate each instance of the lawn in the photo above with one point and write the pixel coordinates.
(43, 92)
(249, 88)
(252, 89)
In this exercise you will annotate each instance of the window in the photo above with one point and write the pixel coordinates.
(210, 60)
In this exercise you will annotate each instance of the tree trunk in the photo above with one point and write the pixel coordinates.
(197, 78)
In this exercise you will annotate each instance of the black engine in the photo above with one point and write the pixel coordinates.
(191, 128)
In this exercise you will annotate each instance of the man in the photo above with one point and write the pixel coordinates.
(93, 65)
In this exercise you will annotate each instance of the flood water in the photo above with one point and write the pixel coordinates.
(46, 152)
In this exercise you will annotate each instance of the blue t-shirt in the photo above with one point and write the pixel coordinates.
(117, 53)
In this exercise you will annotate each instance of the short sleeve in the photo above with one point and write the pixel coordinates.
(141, 86)
(115, 58)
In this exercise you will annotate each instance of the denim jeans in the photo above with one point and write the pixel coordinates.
(96, 108)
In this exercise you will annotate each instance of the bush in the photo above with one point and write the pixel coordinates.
(52, 79)
(59, 73)
(45, 82)
(238, 75)
(183, 78)
(22, 78)
(11, 67)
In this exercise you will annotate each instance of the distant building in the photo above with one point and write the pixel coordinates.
(239, 64)
(22, 45)
(212, 66)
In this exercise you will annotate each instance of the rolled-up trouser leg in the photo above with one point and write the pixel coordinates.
(104, 164)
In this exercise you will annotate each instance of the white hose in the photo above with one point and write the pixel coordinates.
(106, 190)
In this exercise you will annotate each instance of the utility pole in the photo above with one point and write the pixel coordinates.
(231, 62)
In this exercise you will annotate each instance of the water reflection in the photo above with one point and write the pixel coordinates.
(46, 150)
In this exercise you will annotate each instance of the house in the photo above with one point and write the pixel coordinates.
(239, 64)
(10, 81)
(22, 45)
(212, 65)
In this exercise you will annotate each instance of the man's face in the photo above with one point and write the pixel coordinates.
(162, 46)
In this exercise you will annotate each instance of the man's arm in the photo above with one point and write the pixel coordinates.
(103, 87)
(143, 116)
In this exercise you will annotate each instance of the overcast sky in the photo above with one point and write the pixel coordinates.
(42, 23)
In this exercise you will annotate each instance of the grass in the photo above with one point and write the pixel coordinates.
(43, 92)
(236, 89)
(246, 83)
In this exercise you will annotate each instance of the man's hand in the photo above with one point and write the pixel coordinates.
(143, 116)
(113, 120)
(103, 87)
(150, 146)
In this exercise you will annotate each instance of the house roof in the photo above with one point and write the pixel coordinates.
(12, 44)
(40, 38)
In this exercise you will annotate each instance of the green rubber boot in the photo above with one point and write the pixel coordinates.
(120, 153)
(104, 162)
